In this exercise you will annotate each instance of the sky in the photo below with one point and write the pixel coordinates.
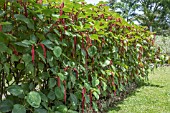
(97, 1)
(94, 1)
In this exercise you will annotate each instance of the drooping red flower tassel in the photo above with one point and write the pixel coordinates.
(83, 99)
(33, 54)
(15, 52)
(62, 5)
(25, 9)
(44, 50)
(39, 1)
(58, 81)
(90, 95)
(0, 28)
(74, 48)
(65, 91)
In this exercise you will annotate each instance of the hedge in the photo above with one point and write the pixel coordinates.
(63, 57)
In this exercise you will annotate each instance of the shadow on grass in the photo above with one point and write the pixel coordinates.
(115, 106)
(149, 84)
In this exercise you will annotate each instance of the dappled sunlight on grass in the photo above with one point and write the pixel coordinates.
(152, 97)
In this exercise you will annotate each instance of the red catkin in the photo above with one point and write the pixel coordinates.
(90, 96)
(44, 50)
(25, 9)
(74, 48)
(39, 1)
(58, 81)
(65, 96)
(83, 98)
(0, 28)
(62, 5)
(66, 68)
(15, 52)
(114, 92)
(33, 53)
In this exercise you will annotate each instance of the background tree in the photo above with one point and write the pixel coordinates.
(126, 8)
(152, 13)
(155, 14)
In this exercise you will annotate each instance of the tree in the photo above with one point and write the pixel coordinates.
(155, 14)
(127, 8)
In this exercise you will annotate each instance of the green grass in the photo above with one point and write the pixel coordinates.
(150, 98)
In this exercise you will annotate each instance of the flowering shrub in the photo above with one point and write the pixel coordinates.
(62, 57)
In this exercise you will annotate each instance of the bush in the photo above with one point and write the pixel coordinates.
(57, 57)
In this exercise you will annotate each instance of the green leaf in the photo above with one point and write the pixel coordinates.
(87, 86)
(20, 66)
(14, 58)
(5, 23)
(52, 82)
(71, 111)
(24, 19)
(59, 94)
(95, 106)
(95, 81)
(6, 68)
(18, 109)
(104, 86)
(51, 95)
(92, 51)
(3, 47)
(40, 111)
(34, 99)
(27, 59)
(15, 90)
(6, 106)
(95, 37)
(106, 63)
(43, 97)
(62, 108)
(96, 95)
(62, 77)
(63, 16)
(57, 51)
(74, 100)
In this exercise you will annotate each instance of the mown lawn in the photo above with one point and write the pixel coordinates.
(153, 97)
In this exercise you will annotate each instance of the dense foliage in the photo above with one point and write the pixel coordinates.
(60, 57)
(151, 13)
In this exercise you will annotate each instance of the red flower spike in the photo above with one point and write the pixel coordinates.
(99, 87)
(90, 95)
(44, 50)
(74, 48)
(5, 6)
(115, 93)
(82, 44)
(25, 9)
(58, 81)
(39, 1)
(15, 52)
(65, 92)
(33, 53)
(83, 99)
(0, 28)
(62, 5)
(61, 12)
(66, 68)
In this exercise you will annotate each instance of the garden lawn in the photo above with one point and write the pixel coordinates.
(153, 97)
